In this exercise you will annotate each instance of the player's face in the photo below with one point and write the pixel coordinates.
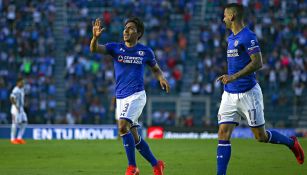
(227, 18)
(21, 84)
(130, 32)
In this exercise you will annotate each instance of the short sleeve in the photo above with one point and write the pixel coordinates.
(110, 48)
(14, 93)
(251, 44)
(151, 58)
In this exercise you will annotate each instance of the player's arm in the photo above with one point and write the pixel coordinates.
(253, 66)
(97, 31)
(159, 75)
(13, 101)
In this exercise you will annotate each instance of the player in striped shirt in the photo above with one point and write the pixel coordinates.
(19, 117)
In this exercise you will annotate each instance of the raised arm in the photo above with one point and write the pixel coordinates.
(159, 75)
(253, 66)
(97, 31)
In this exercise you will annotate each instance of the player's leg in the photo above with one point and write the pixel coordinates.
(124, 111)
(274, 137)
(22, 127)
(252, 108)
(13, 130)
(271, 136)
(129, 145)
(224, 147)
(135, 111)
(14, 114)
(228, 118)
(128, 140)
(143, 148)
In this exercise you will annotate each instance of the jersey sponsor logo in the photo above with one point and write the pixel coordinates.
(120, 58)
(130, 59)
(232, 53)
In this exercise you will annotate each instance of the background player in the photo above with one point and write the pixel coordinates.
(19, 117)
(242, 94)
(129, 59)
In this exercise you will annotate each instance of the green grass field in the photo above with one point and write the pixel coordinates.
(182, 157)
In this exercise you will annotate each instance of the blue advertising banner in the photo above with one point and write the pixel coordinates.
(92, 132)
(64, 132)
(247, 133)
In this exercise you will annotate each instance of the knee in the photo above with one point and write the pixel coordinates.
(224, 134)
(123, 128)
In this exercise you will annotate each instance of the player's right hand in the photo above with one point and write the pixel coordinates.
(97, 28)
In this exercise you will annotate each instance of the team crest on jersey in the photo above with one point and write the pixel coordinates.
(141, 53)
(236, 43)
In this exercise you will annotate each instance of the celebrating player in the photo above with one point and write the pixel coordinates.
(19, 117)
(129, 59)
(242, 95)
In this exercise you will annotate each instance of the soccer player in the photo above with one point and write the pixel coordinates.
(130, 58)
(242, 95)
(19, 117)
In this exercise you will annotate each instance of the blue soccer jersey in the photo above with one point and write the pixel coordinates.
(129, 66)
(240, 47)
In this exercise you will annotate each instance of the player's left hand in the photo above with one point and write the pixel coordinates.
(226, 78)
(164, 85)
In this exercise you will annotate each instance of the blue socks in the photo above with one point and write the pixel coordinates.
(142, 147)
(144, 150)
(129, 145)
(277, 138)
(224, 149)
(223, 156)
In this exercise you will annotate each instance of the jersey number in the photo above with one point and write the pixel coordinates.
(252, 116)
(125, 109)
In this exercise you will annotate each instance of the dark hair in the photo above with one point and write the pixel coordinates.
(238, 9)
(138, 23)
(19, 79)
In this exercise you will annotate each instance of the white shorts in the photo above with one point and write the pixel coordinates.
(19, 117)
(131, 107)
(248, 105)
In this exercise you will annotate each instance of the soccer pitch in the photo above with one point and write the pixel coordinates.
(182, 157)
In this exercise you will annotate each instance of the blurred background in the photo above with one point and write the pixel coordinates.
(47, 42)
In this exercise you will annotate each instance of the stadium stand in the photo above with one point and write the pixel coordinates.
(48, 42)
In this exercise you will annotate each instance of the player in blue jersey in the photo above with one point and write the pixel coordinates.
(130, 58)
(242, 95)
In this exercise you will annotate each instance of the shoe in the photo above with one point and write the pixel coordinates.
(158, 169)
(15, 142)
(21, 141)
(132, 170)
(297, 150)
